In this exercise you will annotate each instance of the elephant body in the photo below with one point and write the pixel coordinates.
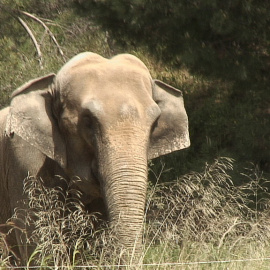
(98, 120)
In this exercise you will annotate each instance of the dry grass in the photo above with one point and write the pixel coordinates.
(199, 217)
(208, 207)
(205, 217)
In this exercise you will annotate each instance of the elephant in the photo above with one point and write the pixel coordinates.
(99, 120)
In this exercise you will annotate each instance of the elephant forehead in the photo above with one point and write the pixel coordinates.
(110, 73)
(119, 71)
(109, 86)
(129, 59)
(89, 58)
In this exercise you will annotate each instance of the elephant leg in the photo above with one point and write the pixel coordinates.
(28, 161)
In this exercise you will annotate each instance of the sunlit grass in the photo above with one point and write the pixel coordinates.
(196, 255)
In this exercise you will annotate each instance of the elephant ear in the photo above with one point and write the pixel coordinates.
(171, 130)
(31, 117)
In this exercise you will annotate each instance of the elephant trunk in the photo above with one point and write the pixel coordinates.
(124, 177)
(125, 202)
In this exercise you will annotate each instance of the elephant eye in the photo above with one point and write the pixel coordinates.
(88, 121)
(154, 125)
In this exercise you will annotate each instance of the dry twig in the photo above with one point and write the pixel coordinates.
(47, 30)
(30, 33)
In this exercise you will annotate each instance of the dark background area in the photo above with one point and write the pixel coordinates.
(216, 52)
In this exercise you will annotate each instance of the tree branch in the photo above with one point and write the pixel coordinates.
(23, 23)
(47, 30)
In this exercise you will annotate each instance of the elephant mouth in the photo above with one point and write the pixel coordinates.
(94, 176)
(95, 179)
(89, 185)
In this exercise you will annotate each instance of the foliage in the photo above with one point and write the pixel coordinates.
(19, 58)
(226, 42)
(226, 39)
(216, 52)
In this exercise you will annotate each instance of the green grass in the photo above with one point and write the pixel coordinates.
(207, 256)
(199, 221)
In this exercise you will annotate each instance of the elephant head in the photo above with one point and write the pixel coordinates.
(101, 120)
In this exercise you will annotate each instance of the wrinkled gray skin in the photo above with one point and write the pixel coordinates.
(99, 120)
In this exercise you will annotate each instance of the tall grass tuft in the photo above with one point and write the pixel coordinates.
(205, 216)
(62, 227)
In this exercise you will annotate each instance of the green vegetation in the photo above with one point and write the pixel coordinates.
(217, 53)
(225, 45)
